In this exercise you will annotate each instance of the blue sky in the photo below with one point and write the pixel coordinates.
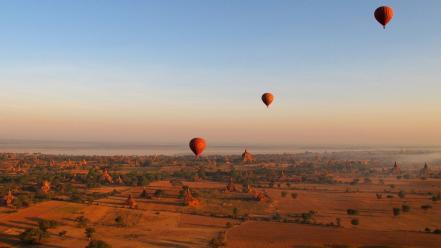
(165, 71)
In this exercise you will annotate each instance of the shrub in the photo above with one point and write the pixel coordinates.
(405, 208)
(277, 216)
(396, 211)
(379, 196)
(159, 193)
(401, 194)
(82, 221)
(283, 193)
(355, 222)
(120, 221)
(352, 211)
(294, 195)
(235, 212)
(98, 244)
(89, 231)
(426, 207)
(62, 234)
(33, 236)
(218, 241)
(47, 224)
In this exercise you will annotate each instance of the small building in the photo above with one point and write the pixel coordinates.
(107, 177)
(189, 200)
(247, 157)
(131, 202)
(230, 186)
(45, 187)
(396, 169)
(8, 199)
(425, 171)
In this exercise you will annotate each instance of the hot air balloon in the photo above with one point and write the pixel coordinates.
(267, 98)
(197, 145)
(384, 14)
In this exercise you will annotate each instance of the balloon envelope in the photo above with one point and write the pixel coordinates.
(383, 15)
(267, 98)
(197, 145)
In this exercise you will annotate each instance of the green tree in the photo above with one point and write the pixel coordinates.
(351, 211)
(405, 208)
(47, 224)
(33, 236)
(119, 220)
(235, 212)
(355, 222)
(89, 231)
(98, 244)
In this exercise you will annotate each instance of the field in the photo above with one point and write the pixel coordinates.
(339, 210)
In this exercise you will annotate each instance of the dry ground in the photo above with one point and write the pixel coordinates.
(165, 222)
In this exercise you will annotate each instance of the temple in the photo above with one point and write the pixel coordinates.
(247, 157)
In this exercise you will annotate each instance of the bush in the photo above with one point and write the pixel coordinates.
(235, 212)
(405, 208)
(98, 244)
(62, 234)
(277, 216)
(401, 194)
(82, 221)
(379, 196)
(294, 195)
(437, 231)
(338, 221)
(47, 224)
(89, 231)
(159, 193)
(355, 222)
(33, 236)
(283, 193)
(218, 241)
(352, 211)
(120, 221)
(396, 211)
(426, 207)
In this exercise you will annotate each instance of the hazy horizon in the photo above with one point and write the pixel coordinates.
(145, 148)
(117, 72)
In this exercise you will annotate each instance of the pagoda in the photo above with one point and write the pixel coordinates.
(230, 186)
(45, 187)
(247, 157)
(8, 199)
(189, 200)
(425, 171)
(131, 202)
(396, 169)
(107, 177)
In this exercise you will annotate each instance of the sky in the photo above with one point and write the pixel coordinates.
(162, 72)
